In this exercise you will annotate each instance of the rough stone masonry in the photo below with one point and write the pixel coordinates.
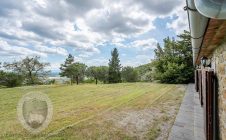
(219, 65)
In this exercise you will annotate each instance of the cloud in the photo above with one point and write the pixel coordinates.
(43, 27)
(142, 44)
(10, 7)
(43, 30)
(120, 19)
(96, 62)
(137, 60)
(85, 54)
(179, 24)
(7, 50)
(145, 44)
(51, 50)
(30, 27)
(159, 7)
(66, 9)
(115, 22)
(180, 21)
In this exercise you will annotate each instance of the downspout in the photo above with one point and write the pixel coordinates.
(212, 8)
(197, 25)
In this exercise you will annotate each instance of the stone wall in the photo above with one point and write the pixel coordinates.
(219, 65)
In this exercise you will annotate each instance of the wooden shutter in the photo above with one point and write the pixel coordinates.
(196, 81)
(208, 102)
(200, 86)
(204, 83)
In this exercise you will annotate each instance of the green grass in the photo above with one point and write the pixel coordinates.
(84, 111)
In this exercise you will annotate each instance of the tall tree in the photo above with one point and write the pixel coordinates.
(114, 67)
(76, 72)
(174, 63)
(69, 60)
(30, 68)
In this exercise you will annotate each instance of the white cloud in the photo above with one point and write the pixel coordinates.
(181, 22)
(119, 21)
(6, 49)
(41, 27)
(137, 60)
(101, 61)
(145, 44)
(54, 66)
(86, 54)
(51, 50)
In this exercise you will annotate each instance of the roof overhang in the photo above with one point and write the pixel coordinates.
(214, 36)
(207, 26)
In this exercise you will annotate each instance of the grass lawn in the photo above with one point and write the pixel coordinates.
(105, 111)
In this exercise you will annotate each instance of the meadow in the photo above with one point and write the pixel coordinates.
(104, 111)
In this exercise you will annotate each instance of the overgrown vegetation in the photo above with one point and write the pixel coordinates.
(173, 61)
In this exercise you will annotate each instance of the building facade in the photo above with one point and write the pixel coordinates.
(208, 34)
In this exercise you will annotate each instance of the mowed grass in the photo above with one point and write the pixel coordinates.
(105, 111)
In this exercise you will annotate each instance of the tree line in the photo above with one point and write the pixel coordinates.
(31, 71)
(172, 64)
(28, 71)
(113, 73)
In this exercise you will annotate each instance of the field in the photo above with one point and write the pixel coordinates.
(105, 111)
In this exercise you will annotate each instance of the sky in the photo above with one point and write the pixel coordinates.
(87, 29)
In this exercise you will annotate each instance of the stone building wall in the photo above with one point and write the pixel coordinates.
(219, 65)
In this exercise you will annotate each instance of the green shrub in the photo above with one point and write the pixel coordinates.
(10, 79)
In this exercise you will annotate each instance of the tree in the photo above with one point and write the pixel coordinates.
(98, 73)
(103, 73)
(93, 72)
(173, 63)
(145, 72)
(129, 74)
(69, 60)
(114, 67)
(76, 71)
(10, 79)
(30, 68)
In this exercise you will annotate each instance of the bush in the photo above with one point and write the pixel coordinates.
(50, 82)
(129, 74)
(10, 79)
(89, 80)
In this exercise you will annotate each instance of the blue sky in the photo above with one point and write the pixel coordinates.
(88, 29)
